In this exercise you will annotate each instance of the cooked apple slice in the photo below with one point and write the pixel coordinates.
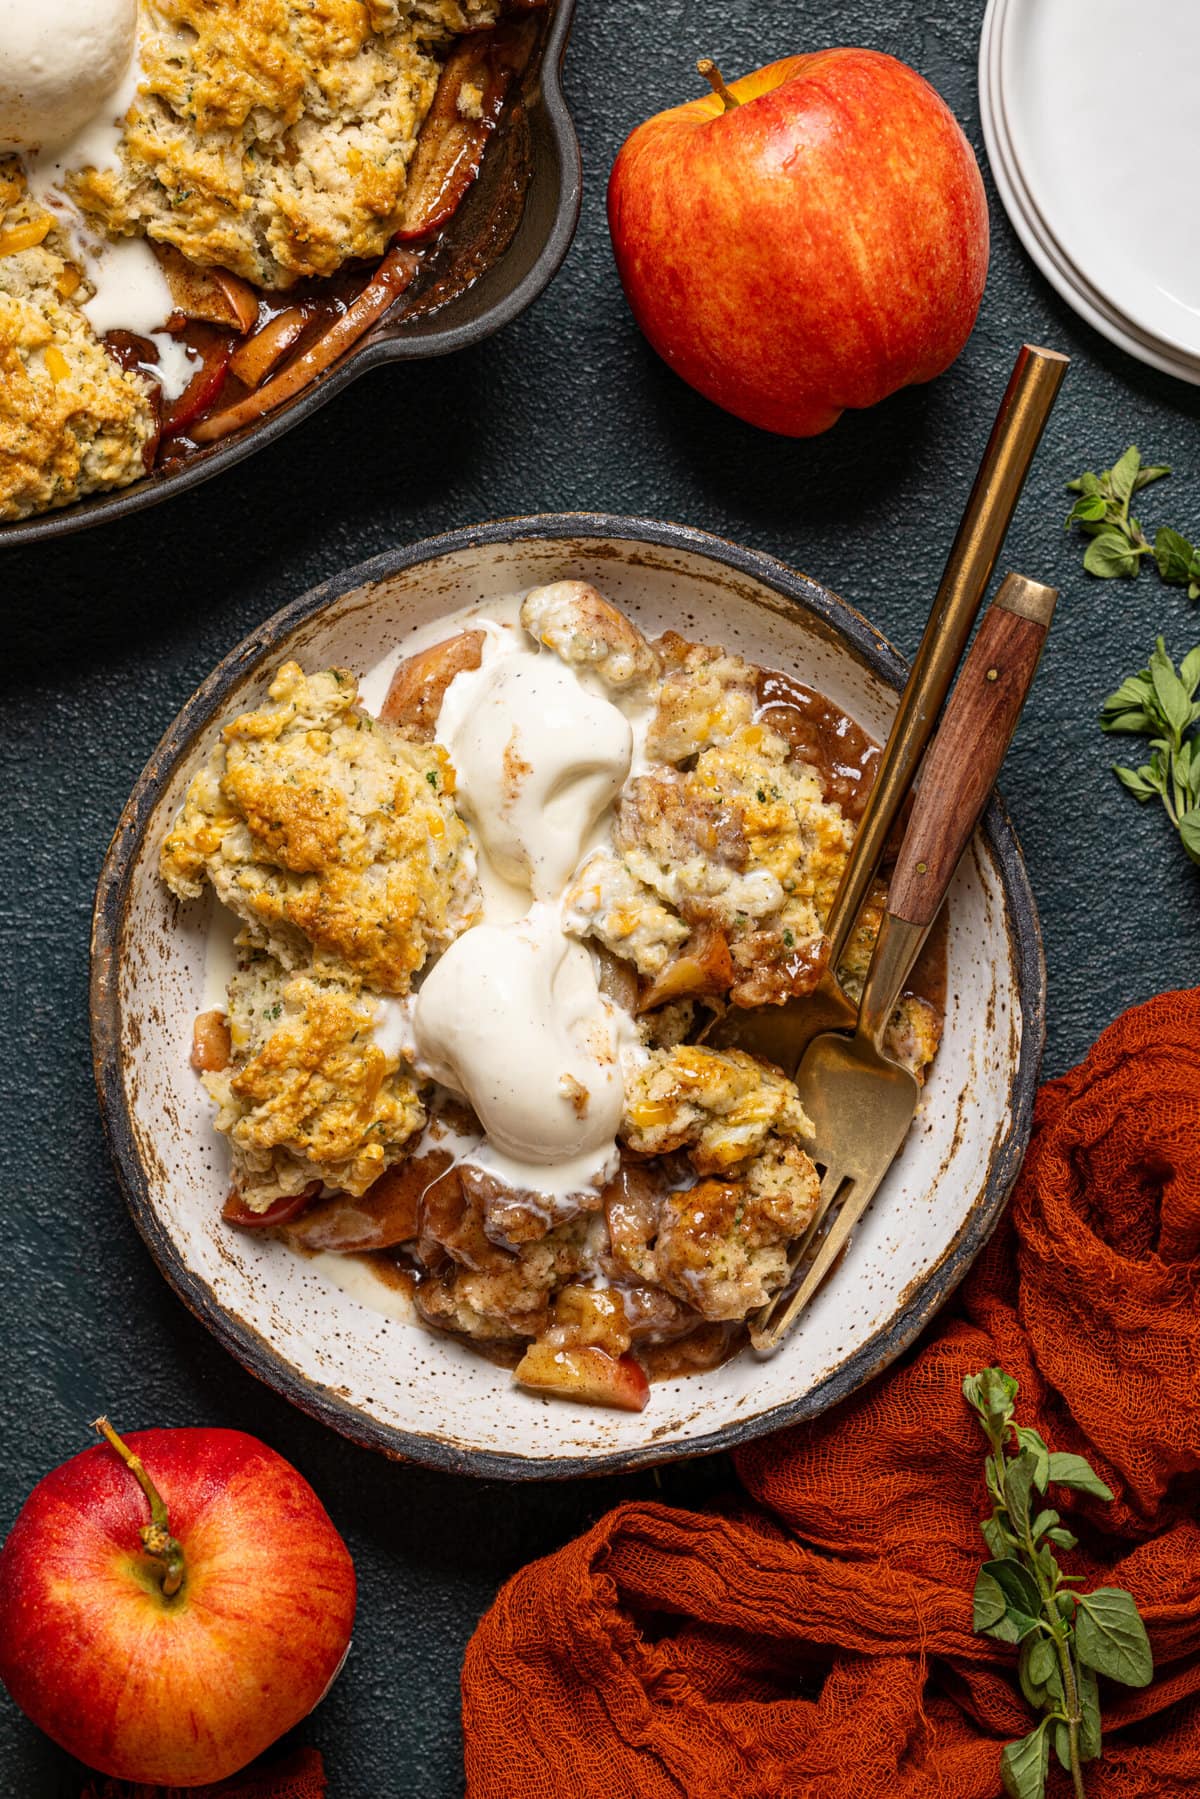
(591, 1318)
(704, 965)
(449, 1225)
(632, 1202)
(419, 684)
(394, 274)
(590, 1376)
(386, 1214)
(211, 1047)
(280, 1211)
(212, 295)
(256, 356)
(466, 109)
(617, 979)
(205, 385)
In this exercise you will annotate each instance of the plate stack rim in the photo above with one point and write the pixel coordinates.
(1029, 219)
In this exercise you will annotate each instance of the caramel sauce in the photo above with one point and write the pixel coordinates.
(846, 759)
(323, 302)
(385, 1268)
(820, 733)
(706, 1347)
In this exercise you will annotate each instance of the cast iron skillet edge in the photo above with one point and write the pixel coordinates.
(373, 352)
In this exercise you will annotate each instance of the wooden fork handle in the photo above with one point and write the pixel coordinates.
(961, 765)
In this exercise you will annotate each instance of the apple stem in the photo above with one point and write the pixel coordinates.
(156, 1536)
(716, 82)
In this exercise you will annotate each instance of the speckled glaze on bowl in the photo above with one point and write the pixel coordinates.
(536, 150)
(389, 1383)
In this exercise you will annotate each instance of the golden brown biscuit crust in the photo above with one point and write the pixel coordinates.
(71, 421)
(273, 137)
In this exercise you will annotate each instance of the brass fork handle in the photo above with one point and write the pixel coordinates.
(955, 780)
(1020, 421)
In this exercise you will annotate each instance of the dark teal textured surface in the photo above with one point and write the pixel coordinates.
(109, 632)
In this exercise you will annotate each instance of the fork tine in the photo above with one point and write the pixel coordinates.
(852, 1208)
(762, 1334)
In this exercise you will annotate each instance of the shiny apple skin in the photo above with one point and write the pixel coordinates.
(184, 1691)
(816, 248)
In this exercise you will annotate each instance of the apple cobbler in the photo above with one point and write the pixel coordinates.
(259, 189)
(482, 935)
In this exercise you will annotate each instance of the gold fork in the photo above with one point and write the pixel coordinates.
(781, 1033)
(860, 1100)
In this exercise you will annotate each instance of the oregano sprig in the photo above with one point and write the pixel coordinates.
(1160, 703)
(1118, 542)
(1064, 1639)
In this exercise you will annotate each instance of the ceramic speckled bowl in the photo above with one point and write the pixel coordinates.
(386, 1381)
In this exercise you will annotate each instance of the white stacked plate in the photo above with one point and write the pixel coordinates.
(1091, 115)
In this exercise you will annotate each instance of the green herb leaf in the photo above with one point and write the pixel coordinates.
(1046, 1692)
(1133, 695)
(1118, 542)
(1072, 1471)
(1043, 1521)
(1062, 1538)
(1111, 1638)
(989, 1602)
(1087, 1690)
(992, 1393)
(1173, 556)
(1062, 1745)
(1018, 1485)
(1123, 475)
(1088, 509)
(1109, 555)
(1189, 831)
(1042, 1661)
(1172, 696)
(1022, 1600)
(996, 1538)
(1023, 1765)
(1140, 781)
(1030, 1439)
(1130, 723)
(1160, 703)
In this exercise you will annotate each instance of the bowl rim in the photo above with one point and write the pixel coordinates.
(117, 503)
(113, 895)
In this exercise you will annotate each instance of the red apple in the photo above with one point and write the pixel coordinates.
(166, 1620)
(814, 240)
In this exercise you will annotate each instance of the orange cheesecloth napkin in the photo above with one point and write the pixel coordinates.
(812, 1638)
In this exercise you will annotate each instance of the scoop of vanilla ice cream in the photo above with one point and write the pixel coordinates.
(511, 1017)
(59, 59)
(539, 756)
